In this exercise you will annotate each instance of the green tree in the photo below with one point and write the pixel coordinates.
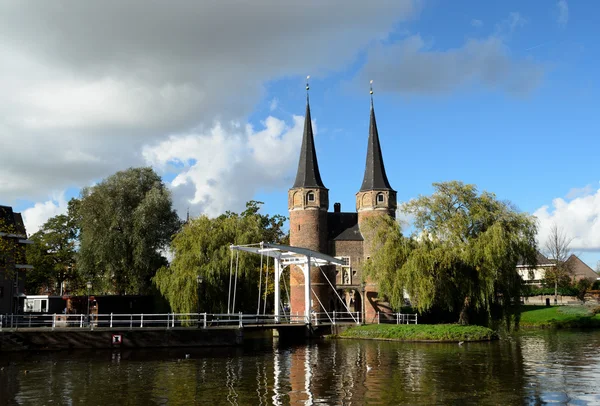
(125, 224)
(461, 257)
(11, 252)
(53, 256)
(202, 248)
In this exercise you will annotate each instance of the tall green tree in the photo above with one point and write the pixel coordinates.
(202, 248)
(125, 224)
(462, 255)
(53, 257)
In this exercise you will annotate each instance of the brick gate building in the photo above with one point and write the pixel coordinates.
(337, 233)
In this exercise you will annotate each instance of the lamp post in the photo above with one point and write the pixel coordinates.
(364, 298)
(88, 286)
(199, 280)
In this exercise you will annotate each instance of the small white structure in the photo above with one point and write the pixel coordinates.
(36, 304)
(285, 255)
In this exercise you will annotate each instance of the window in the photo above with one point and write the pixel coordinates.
(310, 197)
(380, 198)
(344, 271)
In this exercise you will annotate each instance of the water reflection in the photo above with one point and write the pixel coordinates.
(536, 368)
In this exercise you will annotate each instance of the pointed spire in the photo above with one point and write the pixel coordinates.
(308, 168)
(375, 177)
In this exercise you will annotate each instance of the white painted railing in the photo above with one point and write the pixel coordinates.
(166, 320)
(398, 318)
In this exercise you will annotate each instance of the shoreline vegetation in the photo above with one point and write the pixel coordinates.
(559, 317)
(532, 317)
(420, 332)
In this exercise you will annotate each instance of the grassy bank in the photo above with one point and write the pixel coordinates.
(420, 332)
(558, 317)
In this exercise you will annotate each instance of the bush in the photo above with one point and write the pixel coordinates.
(547, 290)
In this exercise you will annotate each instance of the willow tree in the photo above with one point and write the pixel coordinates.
(462, 255)
(201, 248)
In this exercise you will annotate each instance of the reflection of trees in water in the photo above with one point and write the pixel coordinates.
(402, 373)
(534, 369)
(9, 386)
(561, 365)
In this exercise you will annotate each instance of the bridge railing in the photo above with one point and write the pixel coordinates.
(335, 318)
(397, 318)
(144, 320)
(168, 320)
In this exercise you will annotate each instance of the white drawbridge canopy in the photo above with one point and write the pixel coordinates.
(285, 255)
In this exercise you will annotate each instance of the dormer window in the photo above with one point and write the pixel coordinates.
(380, 198)
(310, 197)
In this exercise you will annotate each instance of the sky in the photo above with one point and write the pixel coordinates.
(212, 96)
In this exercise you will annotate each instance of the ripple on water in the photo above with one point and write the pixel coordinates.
(535, 368)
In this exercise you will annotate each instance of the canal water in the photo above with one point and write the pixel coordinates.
(535, 368)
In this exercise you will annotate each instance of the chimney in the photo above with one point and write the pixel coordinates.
(337, 207)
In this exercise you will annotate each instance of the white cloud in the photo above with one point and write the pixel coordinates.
(274, 103)
(476, 23)
(579, 217)
(414, 65)
(225, 166)
(34, 217)
(563, 12)
(81, 101)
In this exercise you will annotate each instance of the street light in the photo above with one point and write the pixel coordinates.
(88, 286)
(364, 299)
(199, 280)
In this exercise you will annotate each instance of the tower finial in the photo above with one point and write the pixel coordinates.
(307, 87)
(371, 91)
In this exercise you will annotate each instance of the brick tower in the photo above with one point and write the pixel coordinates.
(308, 202)
(375, 198)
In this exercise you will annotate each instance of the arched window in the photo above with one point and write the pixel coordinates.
(310, 197)
(380, 198)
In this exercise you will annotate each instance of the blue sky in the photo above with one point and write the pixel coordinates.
(499, 94)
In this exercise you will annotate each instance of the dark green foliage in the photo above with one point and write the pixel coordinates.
(126, 222)
(461, 257)
(202, 248)
(53, 257)
(583, 286)
(421, 332)
(568, 290)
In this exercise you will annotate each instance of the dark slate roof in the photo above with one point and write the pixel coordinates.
(308, 168)
(375, 177)
(541, 260)
(343, 227)
(9, 218)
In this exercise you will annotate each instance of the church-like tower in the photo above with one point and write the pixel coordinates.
(375, 198)
(308, 202)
